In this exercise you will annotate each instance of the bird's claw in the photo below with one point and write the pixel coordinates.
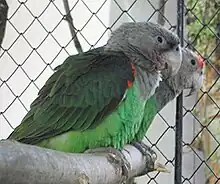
(116, 158)
(161, 168)
(151, 158)
(144, 149)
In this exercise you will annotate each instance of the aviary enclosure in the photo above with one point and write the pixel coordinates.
(36, 36)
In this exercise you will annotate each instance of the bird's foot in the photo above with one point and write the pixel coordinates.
(116, 157)
(151, 158)
(144, 149)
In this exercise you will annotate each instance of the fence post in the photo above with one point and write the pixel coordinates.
(179, 102)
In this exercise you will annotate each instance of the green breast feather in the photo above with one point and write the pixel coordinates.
(115, 130)
(150, 112)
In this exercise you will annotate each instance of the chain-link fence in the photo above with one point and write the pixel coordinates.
(38, 38)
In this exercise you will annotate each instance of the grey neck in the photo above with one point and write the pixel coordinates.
(147, 81)
(168, 89)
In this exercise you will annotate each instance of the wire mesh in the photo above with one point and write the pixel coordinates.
(38, 39)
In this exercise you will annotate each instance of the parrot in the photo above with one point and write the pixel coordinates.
(190, 76)
(97, 98)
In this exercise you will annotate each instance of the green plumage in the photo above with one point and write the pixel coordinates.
(150, 111)
(85, 104)
(98, 98)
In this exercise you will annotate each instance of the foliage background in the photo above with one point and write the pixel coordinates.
(203, 25)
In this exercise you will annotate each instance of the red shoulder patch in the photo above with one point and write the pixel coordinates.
(133, 69)
(129, 83)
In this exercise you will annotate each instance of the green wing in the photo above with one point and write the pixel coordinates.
(82, 91)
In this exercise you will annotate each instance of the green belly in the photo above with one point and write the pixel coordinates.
(116, 130)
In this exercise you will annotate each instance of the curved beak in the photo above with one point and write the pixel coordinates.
(197, 82)
(192, 91)
(174, 61)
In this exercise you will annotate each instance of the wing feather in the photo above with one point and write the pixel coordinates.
(78, 96)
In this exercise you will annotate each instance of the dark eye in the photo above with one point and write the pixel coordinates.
(193, 61)
(159, 39)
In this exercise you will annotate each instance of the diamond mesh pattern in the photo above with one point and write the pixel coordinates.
(38, 39)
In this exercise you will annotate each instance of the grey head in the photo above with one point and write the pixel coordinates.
(149, 46)
(189, 76)
(193, 70)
